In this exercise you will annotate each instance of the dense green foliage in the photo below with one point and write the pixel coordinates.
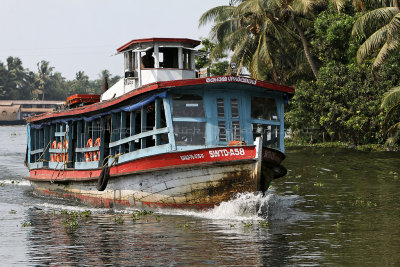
(324, 49)
(16, 82)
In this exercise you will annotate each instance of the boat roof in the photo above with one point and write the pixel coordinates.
(157, 39)
(216, 82)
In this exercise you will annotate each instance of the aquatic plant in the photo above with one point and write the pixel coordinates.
(26, 224)
(13, 212)
(318, 184)
(2, 184)
(264, 224)
(247, 224)
(359, 202)
(71, 223)
(184, 225)
(85, 214)
(138, 213)
(119, 219)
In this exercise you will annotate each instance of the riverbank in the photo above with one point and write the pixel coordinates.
(367, 148)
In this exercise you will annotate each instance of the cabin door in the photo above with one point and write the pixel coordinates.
(228, 119)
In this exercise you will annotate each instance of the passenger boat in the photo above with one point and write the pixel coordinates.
(160, 137)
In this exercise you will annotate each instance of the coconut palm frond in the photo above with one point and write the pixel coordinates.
(373, 20)
(303, 6)
(394, 132)
(216, 14)
(391, 98)
(375, 41)
(385, 52)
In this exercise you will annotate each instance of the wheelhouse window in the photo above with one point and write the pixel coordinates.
(265, 120)
(188, 119)
(263, 108)
(168, 57)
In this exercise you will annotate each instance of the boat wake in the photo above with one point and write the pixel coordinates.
(14, 182)
(248, 207)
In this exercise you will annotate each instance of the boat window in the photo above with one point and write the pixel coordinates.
(235, 108)
(189, 133)
(168, 57)
(270, 134)
(263, 108)
(220, 108)
(222, 131)
(147, 59)
(236, 130)
(187, 106)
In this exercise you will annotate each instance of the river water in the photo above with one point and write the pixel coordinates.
(335, 207)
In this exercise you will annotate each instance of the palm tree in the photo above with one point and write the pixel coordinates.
(293, 11)
(382, 27)
(391, 103)
(253, 33)
(44, 78)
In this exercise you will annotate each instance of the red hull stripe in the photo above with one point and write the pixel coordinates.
(159, 86)
(201, 156)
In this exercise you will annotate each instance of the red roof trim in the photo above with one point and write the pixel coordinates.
(161, 85)
(168, 40)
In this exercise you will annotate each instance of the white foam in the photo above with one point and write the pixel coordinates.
(16, 182)
(245, 207)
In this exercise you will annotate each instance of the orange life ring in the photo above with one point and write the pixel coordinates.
(88, 155)
(52, 155)
(65, 155)
(96, 154)
(59, 146)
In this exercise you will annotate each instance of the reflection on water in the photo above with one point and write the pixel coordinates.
(335, 207)
(175, 237)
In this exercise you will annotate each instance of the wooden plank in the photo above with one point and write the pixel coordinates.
(102, 138)
(143, 126)
(122, 131)
(157, 120)
(143, 153)
(139, 136)
(168, 118)
(47, 144)
(85, 149)
(59, 134)
(36, 151)
(132, 130)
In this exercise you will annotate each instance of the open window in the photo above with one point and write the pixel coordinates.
(265, 120)
(188, 119)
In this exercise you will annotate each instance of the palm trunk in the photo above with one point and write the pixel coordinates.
(240, 66)
(306, 47)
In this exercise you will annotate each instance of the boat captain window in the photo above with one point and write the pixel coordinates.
(265, 120)
(168, 57)
(188, 120)
(148, 59)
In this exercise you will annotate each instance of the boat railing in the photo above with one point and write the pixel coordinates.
(159, 147)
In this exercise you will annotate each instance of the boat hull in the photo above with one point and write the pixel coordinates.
(195, 187)
(197, 179)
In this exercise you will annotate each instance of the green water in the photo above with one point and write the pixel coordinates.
(352, 204)
(336, 207)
